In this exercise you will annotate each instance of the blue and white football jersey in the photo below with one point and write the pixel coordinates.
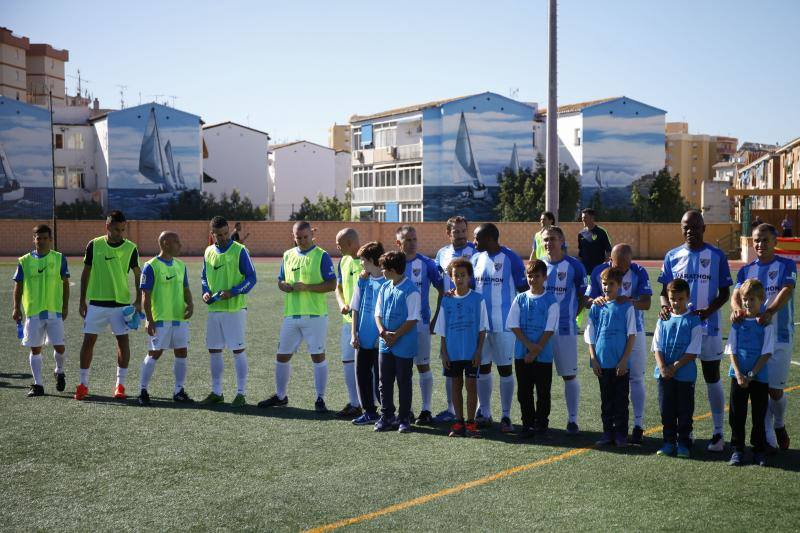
(635, 283)
(706, 271)
(775, 275)
(446, 255)
(423, 272)
(498, 278)
(566, 279)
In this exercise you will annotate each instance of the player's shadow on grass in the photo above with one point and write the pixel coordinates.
(14, 375)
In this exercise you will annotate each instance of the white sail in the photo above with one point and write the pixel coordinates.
(181, 181)
(9, 186)
(151, 161)
(465, 168)
(514, 164)
(172, 176)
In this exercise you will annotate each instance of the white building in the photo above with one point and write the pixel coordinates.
(343, 172)
(80, 170)
(237, 159)
(299, 170)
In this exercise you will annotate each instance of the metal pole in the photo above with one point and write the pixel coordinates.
(53, 168)
(551, 181)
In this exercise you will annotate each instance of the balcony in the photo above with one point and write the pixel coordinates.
(409, 151)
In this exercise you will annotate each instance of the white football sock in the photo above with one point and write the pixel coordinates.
(84, 376)
(448, 390)
(485, 394)
(179, 370)
(282, 373)
(506, 394)
(321, 378)
(349, 370)
(778, 409)
(769, 426)
(572, 394)
(240, 364)
(122, 373)
(217, 368)
(716, 400)
(638, 398)
(60, 358)
(426, 389)
(36, 367)
(148, 367)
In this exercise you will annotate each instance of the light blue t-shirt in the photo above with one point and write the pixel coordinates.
(460, 321)
(674, 338)
(566, 279)
(534, 315)
(422, 271)
(498, 278)
(365, 296)
(775, 275)
(748, 341)
(608, 329)
(393, 306)
(446, 255)
(635, 283)
(706, 271)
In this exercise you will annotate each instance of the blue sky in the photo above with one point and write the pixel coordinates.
(293, 68)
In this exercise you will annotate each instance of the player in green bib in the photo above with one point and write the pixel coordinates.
(41, 288)
(167, 303)
(227, 276)
(306, 275)
(104, 282)
(347, 275)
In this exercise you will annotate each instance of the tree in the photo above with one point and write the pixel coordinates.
(196, 205)
(522, 196)
(325, 208)
(80, 209)
(661, 201)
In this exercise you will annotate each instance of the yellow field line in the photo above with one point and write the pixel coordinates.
(475, 483)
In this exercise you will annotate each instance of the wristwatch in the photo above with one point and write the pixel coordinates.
(750, 375)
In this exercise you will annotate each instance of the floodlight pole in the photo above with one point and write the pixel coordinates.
(551, 180)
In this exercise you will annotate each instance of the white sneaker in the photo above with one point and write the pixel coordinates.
(716, 444)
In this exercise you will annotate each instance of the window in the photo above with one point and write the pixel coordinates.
(577, 136)
(357, 139)
(75, 178)
(410, 212)
(61, 178)
(59, 140)
(75, 140)
(379, 213)
(385, 134)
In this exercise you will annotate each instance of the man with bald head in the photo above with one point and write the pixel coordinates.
(636, 289)
(167, 306)
(347, 273)
(705, 268)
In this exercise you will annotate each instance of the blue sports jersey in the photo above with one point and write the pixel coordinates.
(498, 278)
(706, 271)
(610, 333)
(462, 324)
(245, 268)
(748, 341)
(422, 271)
(533, 313)
(446, 255)
(19, 276)
(566, 279)
(367, 294)
(635, 283)
(394, 313)
(673, 338)
(775, 275)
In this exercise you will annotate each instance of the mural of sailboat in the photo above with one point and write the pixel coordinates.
(465, 168)
(514, 164)
(152, 156)
(10, 188)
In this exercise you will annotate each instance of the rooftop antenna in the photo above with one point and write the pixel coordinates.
(173, 99)
(140, 97)
(122, 96)
(155, 97)
(78, 77)
(513, 93)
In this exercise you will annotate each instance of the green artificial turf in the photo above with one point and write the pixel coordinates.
(102, 464)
